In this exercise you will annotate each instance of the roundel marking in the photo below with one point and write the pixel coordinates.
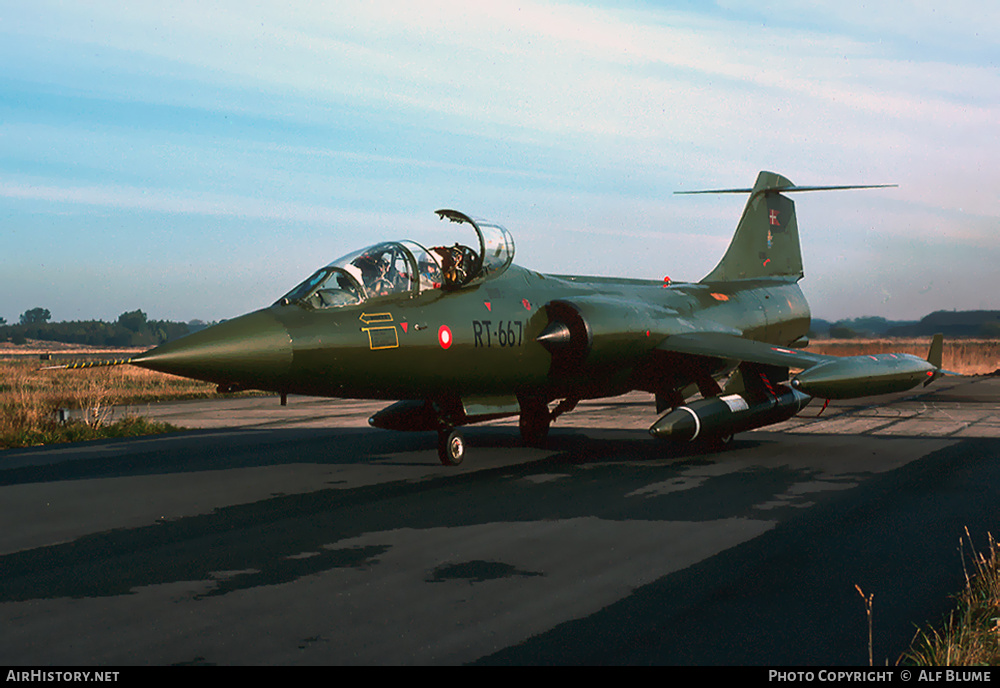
(444, 336)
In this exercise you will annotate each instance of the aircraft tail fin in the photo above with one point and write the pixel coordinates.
(936, 353)
(766, 243)
(935, 356)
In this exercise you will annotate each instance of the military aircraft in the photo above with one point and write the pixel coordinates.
(458, 334)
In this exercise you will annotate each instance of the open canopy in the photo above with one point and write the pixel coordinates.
(407, 268)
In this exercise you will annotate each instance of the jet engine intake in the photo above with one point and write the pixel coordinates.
(594, 332)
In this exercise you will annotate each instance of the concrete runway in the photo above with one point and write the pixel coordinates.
(297, 535)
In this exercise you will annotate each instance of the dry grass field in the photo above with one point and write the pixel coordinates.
(31, 396)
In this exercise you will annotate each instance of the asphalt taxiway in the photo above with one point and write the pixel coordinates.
(298, 535)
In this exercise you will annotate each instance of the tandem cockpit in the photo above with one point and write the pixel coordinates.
(405, 268)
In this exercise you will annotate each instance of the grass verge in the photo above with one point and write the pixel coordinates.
(79, 431)
(970, 636)
(30, 399)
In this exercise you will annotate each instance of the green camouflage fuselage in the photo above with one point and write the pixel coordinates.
(459, 335)
(481, 340)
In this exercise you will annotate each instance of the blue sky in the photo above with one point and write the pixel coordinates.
(197, 159)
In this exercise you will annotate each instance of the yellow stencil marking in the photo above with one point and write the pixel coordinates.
(375, 317)
(382, 337)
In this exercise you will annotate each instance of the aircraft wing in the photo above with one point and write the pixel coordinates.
(731, 347)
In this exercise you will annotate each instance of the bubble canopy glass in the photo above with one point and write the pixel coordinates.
(407, 268)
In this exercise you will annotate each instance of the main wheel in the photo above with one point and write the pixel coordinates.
(534, 422)
(451, 447)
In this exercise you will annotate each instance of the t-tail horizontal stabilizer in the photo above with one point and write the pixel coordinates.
(766, 242)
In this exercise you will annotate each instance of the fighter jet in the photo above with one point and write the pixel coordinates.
(458, 334)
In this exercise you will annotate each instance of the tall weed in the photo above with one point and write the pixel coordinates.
(970, 636)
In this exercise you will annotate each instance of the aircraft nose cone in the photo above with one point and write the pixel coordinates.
(253, 351)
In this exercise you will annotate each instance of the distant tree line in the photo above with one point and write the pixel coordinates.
(132, 328)
(950, 323)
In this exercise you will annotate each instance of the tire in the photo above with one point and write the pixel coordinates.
(451, 447)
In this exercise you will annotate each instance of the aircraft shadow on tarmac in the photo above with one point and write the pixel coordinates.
(580, 477)
(768, 581)
(212, 450)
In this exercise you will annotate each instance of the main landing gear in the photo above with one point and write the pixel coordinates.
(534, 422)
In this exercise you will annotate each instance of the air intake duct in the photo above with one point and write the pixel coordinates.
(594, 332)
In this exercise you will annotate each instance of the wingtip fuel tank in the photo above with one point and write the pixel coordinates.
(858, 376)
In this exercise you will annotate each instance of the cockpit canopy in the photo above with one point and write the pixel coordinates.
(406, 267)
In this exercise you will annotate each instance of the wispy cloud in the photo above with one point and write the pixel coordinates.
(330, 115)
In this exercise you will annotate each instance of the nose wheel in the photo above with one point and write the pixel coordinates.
(451, 446)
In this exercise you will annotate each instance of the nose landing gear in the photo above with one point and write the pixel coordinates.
(451, 446)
